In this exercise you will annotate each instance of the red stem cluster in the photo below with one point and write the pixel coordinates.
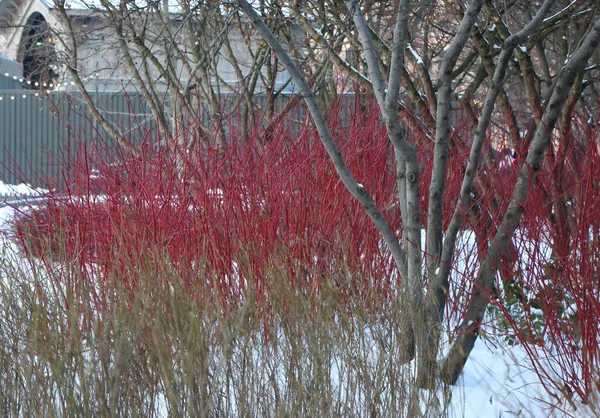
(229, 219)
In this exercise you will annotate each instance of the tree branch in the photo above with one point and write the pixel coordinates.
(469, 328)
(357, 190)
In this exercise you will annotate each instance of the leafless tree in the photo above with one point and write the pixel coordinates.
(174, 55)
(479, 43)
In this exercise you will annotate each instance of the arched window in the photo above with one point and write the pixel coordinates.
(37, 53)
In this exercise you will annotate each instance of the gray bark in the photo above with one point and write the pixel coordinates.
(434, 312)
(411, 219)
(442, 134)
(357, 190)
(439, 286)
(469, 328)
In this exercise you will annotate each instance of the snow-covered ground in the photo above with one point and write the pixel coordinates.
(496, 381)
(19, 190)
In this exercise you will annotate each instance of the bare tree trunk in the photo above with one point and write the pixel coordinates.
(436, 192)
(469, 328)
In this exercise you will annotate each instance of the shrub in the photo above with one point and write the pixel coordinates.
(235, 226)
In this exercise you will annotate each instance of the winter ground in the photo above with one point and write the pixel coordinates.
(496, 381)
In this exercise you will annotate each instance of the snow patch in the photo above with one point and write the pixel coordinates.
(19, 190)
(414, 53)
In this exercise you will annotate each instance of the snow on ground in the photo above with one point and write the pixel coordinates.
(19, 190)
(496, 381)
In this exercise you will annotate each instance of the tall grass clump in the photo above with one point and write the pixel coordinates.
(165, 350)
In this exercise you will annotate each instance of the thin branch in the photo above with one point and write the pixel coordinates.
(357, 190)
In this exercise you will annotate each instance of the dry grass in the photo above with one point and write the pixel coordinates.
(168, 349)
